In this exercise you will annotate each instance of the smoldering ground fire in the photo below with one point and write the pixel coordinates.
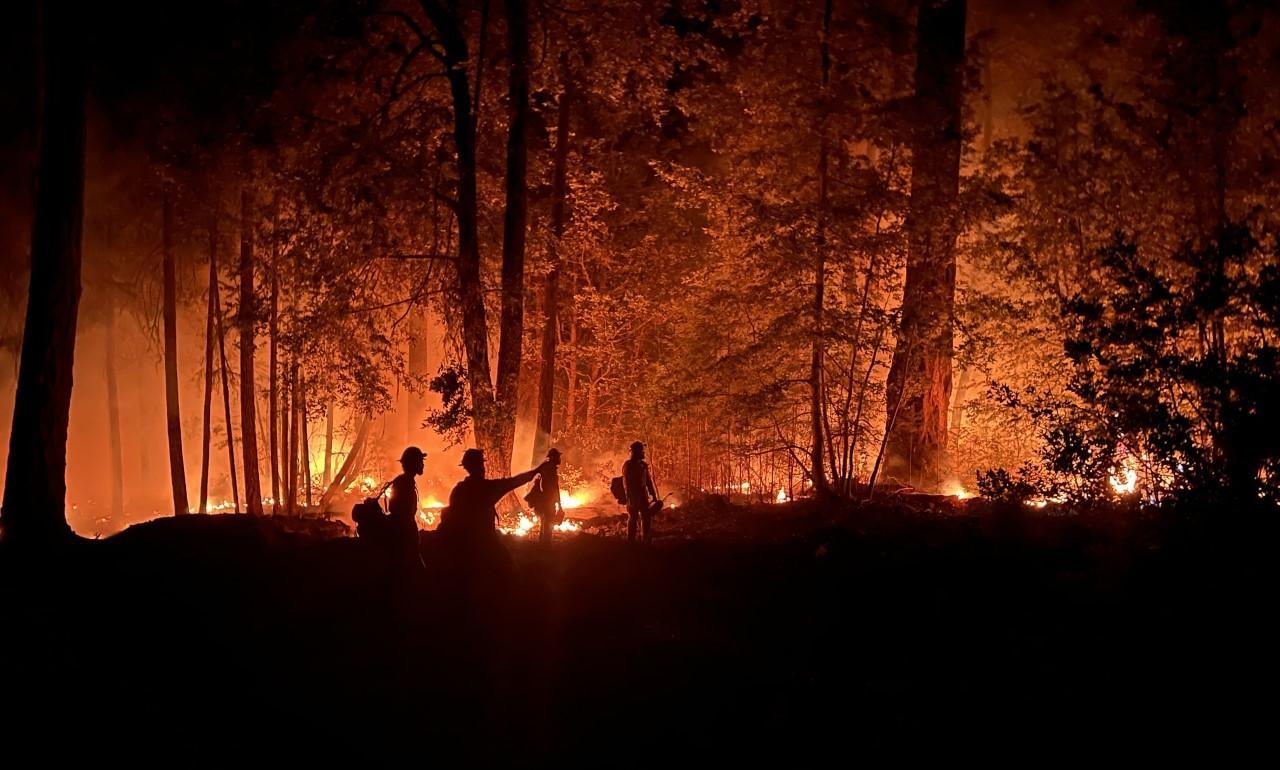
(888, 330)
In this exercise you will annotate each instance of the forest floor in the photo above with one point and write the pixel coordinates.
(793, 632)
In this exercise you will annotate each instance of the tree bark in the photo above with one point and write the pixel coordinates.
(415, 405)
(247, 316)
(286, 449)
(273, 399)
(920, 375)
(301, 401)
(292, 443)
(206, 438)
(514, 232)
(113, 413)
(226, 379)
(35, 477)
(571, 374)
(470, 284)
(177, 466)
(816, 400)
(328, 444)
(551, 289)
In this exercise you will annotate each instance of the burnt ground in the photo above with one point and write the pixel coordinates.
(744, 634)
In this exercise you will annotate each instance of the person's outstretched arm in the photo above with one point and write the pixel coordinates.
(519, 480)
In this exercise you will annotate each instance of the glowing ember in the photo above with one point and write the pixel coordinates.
(957, 491)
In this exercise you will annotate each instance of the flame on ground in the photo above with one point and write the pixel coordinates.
(1125, 482)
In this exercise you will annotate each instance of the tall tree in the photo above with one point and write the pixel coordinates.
(514, 229)
(113, 410)
(273, 366)
(177, 467)
(493, 417)
(816, 422)
(206, 438)
(919, 386)
(35, 477)
(224, 371)
(247, 317)
(551, 288)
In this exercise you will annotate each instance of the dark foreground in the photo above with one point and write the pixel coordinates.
(782, 632)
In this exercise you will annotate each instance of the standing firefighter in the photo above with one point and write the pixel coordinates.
(544, 497)
(642, 495)
(403, 507)
(471, 517)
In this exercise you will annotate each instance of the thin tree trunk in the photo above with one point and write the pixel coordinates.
(177, 467)
(286, 447)
(273, 403)
(514, 232)
(328, 444)
(292, 441)
(917, 447)
(247, 317)
(590, 416)
(206, 438)
(862, 399)
(415, 408)
(226, 384)
(542, 436)
(113, 413)
(571, 373)
(306, 442)
(35, 477)
(819, 476)
(884, 441)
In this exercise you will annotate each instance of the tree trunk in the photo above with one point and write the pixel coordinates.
(113, 413)
(475, 327)
(226, 380)
(551, 289)
(301, 401)
(248, 418)
(206, 438)
(920, 376)
(292, 443)
(35, 477)
(177, 467)
(816, 400)
(571, 374)
(514, 232)
(328, 444)
(415, 405)
(273, 399)
(286, 448)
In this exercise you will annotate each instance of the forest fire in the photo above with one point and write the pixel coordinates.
(353, 356)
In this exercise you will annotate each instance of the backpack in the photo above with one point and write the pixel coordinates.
(618, 488)
(369, 518)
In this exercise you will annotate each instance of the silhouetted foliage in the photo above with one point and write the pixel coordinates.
(1174, 370)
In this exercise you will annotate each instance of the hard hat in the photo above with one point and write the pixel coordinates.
(412, 453)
